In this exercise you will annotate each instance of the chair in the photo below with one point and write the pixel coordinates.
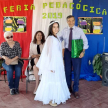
(29, 75)
(2, 70)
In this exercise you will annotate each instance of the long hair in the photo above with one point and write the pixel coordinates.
(50, 31)
(43, 37)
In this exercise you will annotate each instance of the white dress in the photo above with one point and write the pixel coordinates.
(53, 86)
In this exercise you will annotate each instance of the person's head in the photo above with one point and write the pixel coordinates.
(53, 28)
(8, 35)
(70, 21)
(39, 36)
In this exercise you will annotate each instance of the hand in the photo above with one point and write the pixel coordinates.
(8, 62)
(6, 58)
(81, 55)
(52, 71)
(36, 56)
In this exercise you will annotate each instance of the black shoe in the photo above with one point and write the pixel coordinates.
(16, 91)
(12, 91)
(76, 95)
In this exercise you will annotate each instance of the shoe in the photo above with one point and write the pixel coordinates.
(54, 105)
(34, 93)
(12, 91)
(76, 95)
(16, 91)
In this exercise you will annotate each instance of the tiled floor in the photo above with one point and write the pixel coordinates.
(93, 95)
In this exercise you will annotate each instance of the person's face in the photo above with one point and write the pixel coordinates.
(71, 22)
(39, 37)
(55, 28)
(9, 38)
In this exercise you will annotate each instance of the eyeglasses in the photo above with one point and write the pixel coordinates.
(8, 37)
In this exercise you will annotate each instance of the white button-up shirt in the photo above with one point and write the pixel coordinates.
(77, 33)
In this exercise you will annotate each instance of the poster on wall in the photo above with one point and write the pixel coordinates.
(14, 23)
(91, 25)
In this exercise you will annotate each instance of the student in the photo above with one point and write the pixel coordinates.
(53, 88)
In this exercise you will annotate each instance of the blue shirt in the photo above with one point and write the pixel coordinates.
(77, 33)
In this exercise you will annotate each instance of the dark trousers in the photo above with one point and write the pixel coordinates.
(76, 63)
(13, 83)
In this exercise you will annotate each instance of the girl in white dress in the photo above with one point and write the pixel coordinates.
(53, 88)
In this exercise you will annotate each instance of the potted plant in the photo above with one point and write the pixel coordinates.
(97, 64)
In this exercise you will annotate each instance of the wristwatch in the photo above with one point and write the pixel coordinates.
(83, 52)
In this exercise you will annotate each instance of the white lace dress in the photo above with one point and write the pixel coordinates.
(53, 85)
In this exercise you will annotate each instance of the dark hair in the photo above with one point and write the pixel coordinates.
(50, 32)
(70, 16)
(43, 37)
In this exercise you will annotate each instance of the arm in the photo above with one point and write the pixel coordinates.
(31, 52)
(19, 51)
(48, 58)
(49, 49)
(85, 43)
(60, 35)
(3, 53)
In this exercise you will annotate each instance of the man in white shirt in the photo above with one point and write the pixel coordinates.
(67, 34)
